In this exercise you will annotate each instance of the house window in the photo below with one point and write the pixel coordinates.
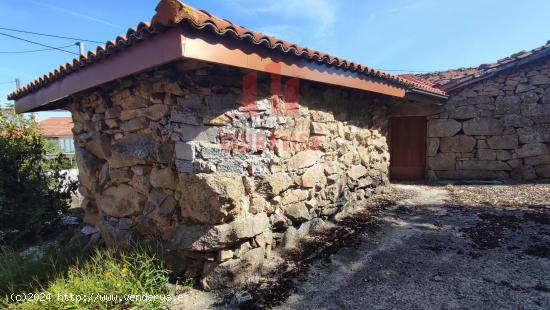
(66, 144)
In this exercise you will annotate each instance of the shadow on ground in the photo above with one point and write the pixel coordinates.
(424, 247)
(431, 254)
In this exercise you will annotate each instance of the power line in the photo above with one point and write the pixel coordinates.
(32, 51)
(93, 41)
(2, 83)
(49, 35)
(33, 42)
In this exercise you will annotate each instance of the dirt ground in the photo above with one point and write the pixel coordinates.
(438, 247)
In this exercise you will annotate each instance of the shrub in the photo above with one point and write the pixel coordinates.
(107, 280)
(33, 190)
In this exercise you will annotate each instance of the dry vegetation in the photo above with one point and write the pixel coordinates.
(501, 194)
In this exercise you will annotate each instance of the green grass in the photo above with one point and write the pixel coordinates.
(110, 274)
(25, 273)
(19, 273)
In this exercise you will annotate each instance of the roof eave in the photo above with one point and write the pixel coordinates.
(417, 93)
(225, 50)
(155, 51)
(184, 42)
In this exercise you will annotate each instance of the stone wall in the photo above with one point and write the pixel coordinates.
(498, 128)
(208, 160)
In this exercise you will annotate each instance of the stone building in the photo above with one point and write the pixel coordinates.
(496, 123)
(225, 144)
(221, 142)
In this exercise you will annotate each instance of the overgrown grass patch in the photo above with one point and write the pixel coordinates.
(18, 273)
(109, 279)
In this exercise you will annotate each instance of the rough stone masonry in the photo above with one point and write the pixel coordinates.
(221, 168)
(495, 129)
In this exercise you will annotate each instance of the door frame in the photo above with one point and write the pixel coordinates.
(421, 147)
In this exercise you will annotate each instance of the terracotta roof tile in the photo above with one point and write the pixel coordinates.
(454, 78)
(172, 12)
(417, 79)
(56, 127)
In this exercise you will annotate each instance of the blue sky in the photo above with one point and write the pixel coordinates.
(421, 35)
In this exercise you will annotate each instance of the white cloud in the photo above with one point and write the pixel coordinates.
(398, 9)
(317, 17)
(406, 7)
(84, 16)
(279, 31)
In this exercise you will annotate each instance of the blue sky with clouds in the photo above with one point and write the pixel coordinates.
(415, 35)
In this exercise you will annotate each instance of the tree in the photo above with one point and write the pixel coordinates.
(34, 191)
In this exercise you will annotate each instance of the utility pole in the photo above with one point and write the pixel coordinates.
(80, 47)
(18, 86)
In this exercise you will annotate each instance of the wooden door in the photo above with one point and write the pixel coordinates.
(407, 147)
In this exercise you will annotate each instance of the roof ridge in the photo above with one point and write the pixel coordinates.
(170, 13)
(449, 79)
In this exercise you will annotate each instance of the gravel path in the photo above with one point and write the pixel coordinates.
(431, 254)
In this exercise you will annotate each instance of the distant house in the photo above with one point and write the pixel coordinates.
(59, 129)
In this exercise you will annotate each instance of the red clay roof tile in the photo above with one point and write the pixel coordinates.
(172, 12)
(455, 78)
(56, 127)
(417, 79)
